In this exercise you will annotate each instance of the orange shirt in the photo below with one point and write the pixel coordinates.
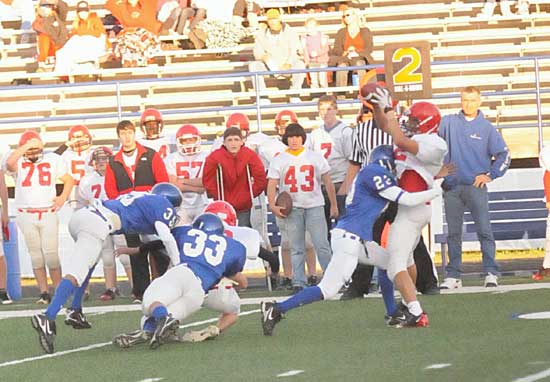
(356, 42)
(143, 15)
(92, 26)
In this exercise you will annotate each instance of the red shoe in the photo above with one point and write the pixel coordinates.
(541, 273)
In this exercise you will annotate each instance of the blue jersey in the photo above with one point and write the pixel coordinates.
(139, 212)
(363, 203)
(210, 257)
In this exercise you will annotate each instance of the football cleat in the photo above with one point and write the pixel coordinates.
(127, 340)
(76, 319)
(541, 274)
(166, 328)
(270, 317)
(208, 333)
(46, 331)
(394, 319)
(44, 299)
(409, 320)
(5, 299)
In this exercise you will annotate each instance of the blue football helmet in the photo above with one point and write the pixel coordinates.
(383, 155)
(169, 191)
(209, 223)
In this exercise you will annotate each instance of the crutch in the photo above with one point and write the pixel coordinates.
(219, 182)
(263, 226)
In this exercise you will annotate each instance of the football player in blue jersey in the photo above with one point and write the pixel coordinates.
(352, 240)
(206, 255)
(143, 213)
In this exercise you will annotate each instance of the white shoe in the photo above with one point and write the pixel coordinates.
(451, 283)
(491, 281)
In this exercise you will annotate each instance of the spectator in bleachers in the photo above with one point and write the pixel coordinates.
(353, 46)
(315, 46)
(138, 42)
(278, 48)
(246, 12)
(18, 9)
(234, 173)
(87, 44)
(490, 5)
(49, 24)
(195, 13)
(217, 30)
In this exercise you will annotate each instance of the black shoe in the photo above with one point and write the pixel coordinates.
(408, 320)
(396, 318)
(312, 280)
(270, 317)
(165, 328)
(46, 331)
(136, 337)
(274, 280)
(296, 288)
(4, 298)
(44, 299)
(350, 294)
(431, 290)
(76, 319)
(373, 288)
(284, 283)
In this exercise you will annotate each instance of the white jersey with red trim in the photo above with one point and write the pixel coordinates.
(427, 162)
(335, 145)
(300, 175)
(270, 148)
(78, 164)
(188, 167)
(161, 145)
(35, 182)
(249, 237)
(91, 188)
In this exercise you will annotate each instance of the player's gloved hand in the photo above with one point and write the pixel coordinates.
(201, 335)
(381, 98)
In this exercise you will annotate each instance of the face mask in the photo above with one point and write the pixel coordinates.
(45, 11)
(83, 15)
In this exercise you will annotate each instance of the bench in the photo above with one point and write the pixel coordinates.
(515, 215)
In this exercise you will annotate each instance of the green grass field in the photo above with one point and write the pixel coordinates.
(329, 341)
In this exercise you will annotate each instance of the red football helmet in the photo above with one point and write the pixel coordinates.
(183, 136)
(80, 138)
(151, 123)
(224, 210)
(283, 118)
(34, 154)
(239, 120)
(99, 158)
(423, 118)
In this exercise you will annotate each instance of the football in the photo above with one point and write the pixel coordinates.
(284, 200)
(368, 88)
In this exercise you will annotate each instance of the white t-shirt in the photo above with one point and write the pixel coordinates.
(300, 175)
(35, 182)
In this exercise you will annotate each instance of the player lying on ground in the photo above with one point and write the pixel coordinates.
(222, 297)
(352, 239)
(131, 213)
(206, 254)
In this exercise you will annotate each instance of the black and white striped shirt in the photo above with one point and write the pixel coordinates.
(365, 138)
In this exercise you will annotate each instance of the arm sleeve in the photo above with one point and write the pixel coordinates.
(169, 242)
(402, 197)
(500, 151)
(111, 189)
(257, 171)
(338, 48)
(209, 179)
(159, 169)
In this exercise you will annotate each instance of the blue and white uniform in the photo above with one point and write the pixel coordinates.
(352, 239)
(204, 260)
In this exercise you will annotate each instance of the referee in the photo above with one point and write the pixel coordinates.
(365, 138)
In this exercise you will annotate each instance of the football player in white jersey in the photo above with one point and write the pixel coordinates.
(90, 189)
(419, 160)
(151, 125)
(300, 172)
(334, 140)
(37, 204)
(76, 152)
(268, 150)
(184, 169)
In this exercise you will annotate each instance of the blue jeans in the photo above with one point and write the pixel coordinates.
(312, 220)
(475, 200)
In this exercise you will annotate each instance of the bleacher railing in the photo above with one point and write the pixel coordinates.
(536, 90)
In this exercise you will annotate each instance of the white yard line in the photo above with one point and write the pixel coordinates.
(103, 344)
(534, 377)
(290, 373)
(437, 366)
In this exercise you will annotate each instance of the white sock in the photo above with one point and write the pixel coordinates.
(415, 308)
